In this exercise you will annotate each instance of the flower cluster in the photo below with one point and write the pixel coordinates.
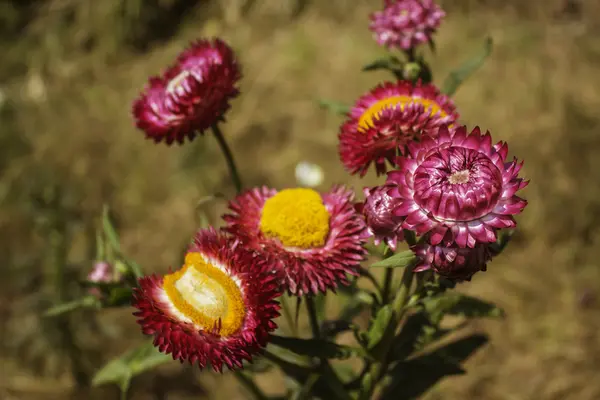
(451, 188)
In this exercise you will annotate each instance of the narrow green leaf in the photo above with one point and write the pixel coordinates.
(315, 347)
(100, 246)
(398, 260)
(304, 393)
(334, 106)
(379, 326)
(110, 232)
(453, 303)
(412, 378)
(406, 341)
(389, 63)
(84, 302)
(134, 362)
(458, 76)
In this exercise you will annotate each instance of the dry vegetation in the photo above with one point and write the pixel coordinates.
(67, 145)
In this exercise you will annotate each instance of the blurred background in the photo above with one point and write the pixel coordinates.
(70, 68)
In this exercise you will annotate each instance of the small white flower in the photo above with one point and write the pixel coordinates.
(308, 174)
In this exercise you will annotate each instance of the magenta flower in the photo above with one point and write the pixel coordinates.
(387, 118)
(458, 187)
(403, 24)
(377, 210)
(217, 310)
(317, 238)
(191, 96)
(457, 264)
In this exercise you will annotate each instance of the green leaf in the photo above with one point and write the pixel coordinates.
(109, 231)
(380, 325)
(453, 303)
(100, 246)
(457, 77)
(121, 370)
(412, 378)
(315, 347)
(336, 107)
(120, 296)
(389, 63)
(84, 302)
(398, 260)
(406, 341)
(304, 392)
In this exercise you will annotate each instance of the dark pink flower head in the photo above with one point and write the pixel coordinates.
(385, 120)
(191, 96)
(318, 238)
(458, 187)
(377, 210)
(454, 263)
(217, 310)
(404, 24)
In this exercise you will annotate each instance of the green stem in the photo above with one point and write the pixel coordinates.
(372, 378)
(388, 278)
(312, 315)
(250, 385)
(233, 171)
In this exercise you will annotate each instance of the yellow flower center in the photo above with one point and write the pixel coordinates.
(374, 112)
(297, 217)
(205, 294)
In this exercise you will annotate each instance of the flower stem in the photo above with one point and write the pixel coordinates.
(372, 378)
(250, 385)
(312, 315)
(388, 279)
(233, 171)
(287, 314)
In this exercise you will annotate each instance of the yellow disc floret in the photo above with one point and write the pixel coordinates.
(205, 294)
(297, 217)
(373, 112)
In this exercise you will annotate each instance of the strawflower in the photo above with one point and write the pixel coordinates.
(387, 118)
(217, 310)
(457, 187)
(404, 24)
(191, 95)
(318, 239)
(452, 262)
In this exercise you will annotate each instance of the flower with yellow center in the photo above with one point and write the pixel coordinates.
(317, 238)
(297, 217)
(218, 309)
(384, 121)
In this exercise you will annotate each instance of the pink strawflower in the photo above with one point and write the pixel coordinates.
(454, 263)
(404, 24)
(318, 239)
(102, 272)
(190, 96)
(217, 310)
(458, 187)
(386, 119)
(378, 212)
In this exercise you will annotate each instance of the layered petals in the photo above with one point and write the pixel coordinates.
(217, 310)
(457, 187)
(452, 262)
(377, 210)
(190, 96)
(404, 24)
(318, 239)
(385, 120)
